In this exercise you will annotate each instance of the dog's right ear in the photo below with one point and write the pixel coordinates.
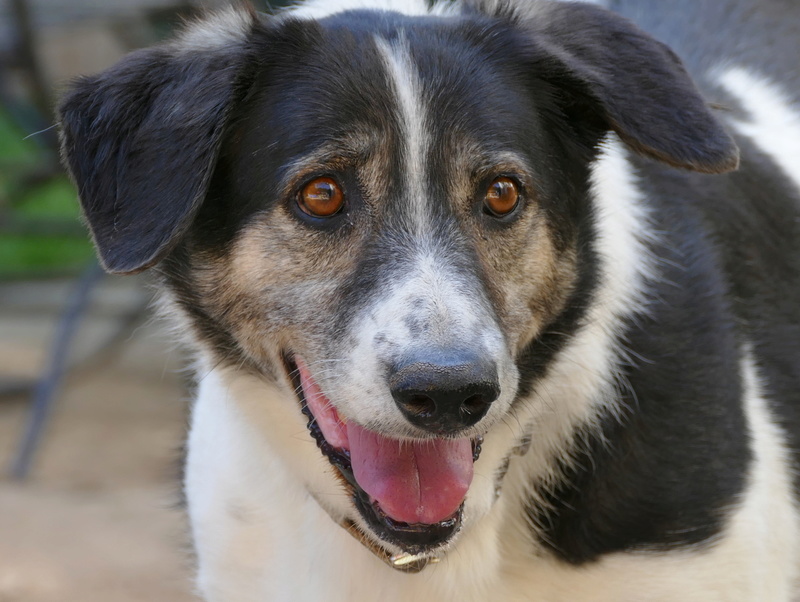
(141, 140)
(609, 72)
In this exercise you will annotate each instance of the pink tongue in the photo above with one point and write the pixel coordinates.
(412, 481)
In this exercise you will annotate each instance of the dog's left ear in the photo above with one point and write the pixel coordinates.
(141, 139)
(634, 84)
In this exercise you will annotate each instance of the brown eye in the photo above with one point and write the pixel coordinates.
(501, 197)
(321, 197)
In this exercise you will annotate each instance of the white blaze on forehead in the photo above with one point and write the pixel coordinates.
(412, 118)
(773, 123)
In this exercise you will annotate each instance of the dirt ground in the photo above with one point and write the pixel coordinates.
(98, 519)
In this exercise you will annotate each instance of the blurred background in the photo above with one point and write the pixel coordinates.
(93, 400)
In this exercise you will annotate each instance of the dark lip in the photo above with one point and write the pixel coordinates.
(414, 538)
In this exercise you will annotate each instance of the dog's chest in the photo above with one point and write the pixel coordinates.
(262, 537)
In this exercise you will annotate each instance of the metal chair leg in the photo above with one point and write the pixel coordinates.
(46, 388)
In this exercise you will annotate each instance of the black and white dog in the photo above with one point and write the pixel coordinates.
(468, 294)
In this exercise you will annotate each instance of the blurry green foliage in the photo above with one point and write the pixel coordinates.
(29, 255)
(54, 198)
(40, 231)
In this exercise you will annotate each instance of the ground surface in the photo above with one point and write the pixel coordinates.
(98, 518)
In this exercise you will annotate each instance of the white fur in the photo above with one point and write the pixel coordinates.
(261, 536)
(754, 559)
(583, 382)
(589, 363)
(413, 115)
(269, 463)
(457, 317)
(319, 9)
(772, 122)
(264, 503)
(226, 27)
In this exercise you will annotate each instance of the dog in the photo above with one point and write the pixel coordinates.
(489, 299)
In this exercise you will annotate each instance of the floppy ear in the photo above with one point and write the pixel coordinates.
(141, 139)
(636, 85)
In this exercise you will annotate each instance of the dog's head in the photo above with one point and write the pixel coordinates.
(386, 215)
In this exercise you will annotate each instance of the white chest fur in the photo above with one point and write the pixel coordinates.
(260, 535)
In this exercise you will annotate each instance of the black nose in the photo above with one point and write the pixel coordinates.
(444, 393)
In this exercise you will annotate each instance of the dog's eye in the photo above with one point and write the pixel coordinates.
(502, 197)
(321, 197)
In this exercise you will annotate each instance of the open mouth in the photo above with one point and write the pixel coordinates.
(409, 492)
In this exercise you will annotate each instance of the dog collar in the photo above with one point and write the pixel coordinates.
(406, 563)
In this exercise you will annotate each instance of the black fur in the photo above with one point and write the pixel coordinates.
(680, 451)
(174, 152)
(141, 144)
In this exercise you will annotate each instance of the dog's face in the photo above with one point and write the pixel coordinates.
(387, 218)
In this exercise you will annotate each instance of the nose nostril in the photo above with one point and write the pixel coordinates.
(420, 406)
(446, 396)
(474, 404)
